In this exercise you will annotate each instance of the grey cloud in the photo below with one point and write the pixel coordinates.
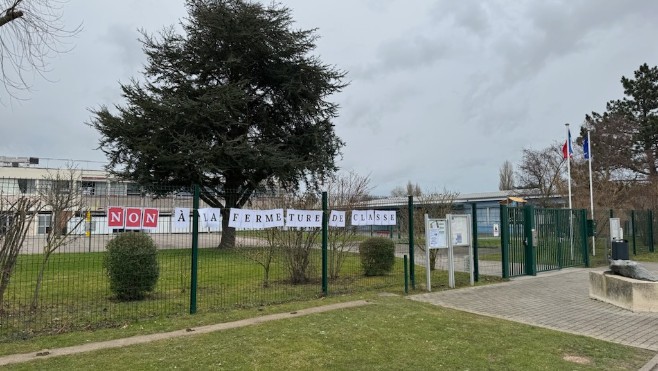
(124, 41)
(472, 16)
(551, 30)
(531, 37)
(370, 110)
(404, 54)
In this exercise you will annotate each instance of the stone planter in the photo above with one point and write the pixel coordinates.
(624, 292)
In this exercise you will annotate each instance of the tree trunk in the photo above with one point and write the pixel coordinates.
(4, 283)
(228, 233)
(651, 162)
(37, 289)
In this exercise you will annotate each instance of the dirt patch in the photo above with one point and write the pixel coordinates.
(577, 359)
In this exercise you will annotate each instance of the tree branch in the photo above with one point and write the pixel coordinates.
(10, 15)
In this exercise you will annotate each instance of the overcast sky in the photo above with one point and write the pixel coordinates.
(441, 92)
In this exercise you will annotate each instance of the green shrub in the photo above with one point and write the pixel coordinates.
(132, 265)
(377, 256)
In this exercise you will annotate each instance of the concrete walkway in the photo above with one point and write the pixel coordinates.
(556, 300)
(142, 339)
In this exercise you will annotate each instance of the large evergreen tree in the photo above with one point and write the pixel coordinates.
(625, 137)
(233, 103)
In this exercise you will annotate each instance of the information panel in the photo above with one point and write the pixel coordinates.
(453, 231)
(459, 230)
(615, 229)
(437, 234)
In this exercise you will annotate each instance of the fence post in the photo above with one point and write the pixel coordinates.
(650, 217)
(195, 249)
(633, 231)
(325, 243)
(476, 263)
(583, 236)
(504, 240)
(406, 277)
(412, 266)
(528, 231)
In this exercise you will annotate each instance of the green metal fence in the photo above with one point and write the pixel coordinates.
(640, 229)
(513, 248)
(264, 266)
(59, 282)
(537, 240)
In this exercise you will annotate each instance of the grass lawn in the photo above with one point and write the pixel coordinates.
(76, 292)
(645, 257)
(489, 242)
(392, 333)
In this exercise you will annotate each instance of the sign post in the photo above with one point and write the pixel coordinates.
(436, 237)
(88, 227)
(459, 230)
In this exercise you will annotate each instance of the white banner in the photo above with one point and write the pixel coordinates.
(181, 218)
(248, 219)
(359, 217)
(211, 217)
(256, 219)
(304, 218)
(385, 217)
(363, 217)
(273, 218)
(374, 217)
(235, 218)
(337, 218)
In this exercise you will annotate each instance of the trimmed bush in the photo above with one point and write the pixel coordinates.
(132, 265)
(377, 256)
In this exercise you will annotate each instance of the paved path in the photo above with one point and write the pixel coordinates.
(142, 339)
(557, 300)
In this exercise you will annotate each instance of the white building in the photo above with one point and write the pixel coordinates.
(96, 189)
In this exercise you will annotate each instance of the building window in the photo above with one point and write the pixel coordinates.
(117, 189)
(88, 188)
(133, 189)
(8, 186)
(44, 223)
(27, 186)
(100, 188)
(57, 186)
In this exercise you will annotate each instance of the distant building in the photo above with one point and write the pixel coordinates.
(24, 176)
(487, 205)
(97, 189)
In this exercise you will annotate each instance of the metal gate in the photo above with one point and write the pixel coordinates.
(538, 240)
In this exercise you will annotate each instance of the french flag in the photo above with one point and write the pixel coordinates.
(567, 151)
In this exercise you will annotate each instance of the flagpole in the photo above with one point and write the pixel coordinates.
(569, 183)
(591, 190)
(568, 163)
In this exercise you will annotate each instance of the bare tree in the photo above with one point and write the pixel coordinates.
(297, 243)
(410, 190)
(263, 255)
(506, 175)
(435, 204)
(31, 32)
(16, 217)
(543, 170)
(60, 195)
(345, 192)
